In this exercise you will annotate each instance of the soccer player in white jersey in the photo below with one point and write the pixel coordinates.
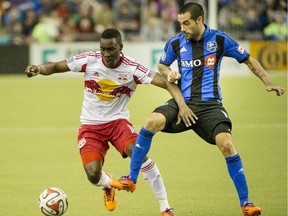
(110, 79)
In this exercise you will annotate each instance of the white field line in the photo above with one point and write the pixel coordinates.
(75, 129)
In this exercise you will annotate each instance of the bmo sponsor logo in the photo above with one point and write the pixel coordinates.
(192, 63)
(210, 61)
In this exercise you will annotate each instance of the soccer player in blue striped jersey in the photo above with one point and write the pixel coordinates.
(199, 51)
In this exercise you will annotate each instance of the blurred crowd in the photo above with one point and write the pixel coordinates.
(29, 21)
(254, 20)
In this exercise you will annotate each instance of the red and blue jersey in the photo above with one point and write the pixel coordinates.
(199, 62)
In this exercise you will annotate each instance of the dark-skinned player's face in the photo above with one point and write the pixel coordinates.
(110, 51)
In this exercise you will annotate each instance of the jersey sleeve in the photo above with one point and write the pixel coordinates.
(233, 49)
(168, 56)
(79, 62)
(143, 75)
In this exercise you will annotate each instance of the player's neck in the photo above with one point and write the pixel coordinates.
(201, 33)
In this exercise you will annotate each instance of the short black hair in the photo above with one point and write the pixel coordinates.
(111, 33)
(194, 8)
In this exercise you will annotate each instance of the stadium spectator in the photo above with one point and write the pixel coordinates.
(151, 30)
(86, 30)
(127, 15)
(168, 22)
(17, 36)
(67, 31)
(29, 21)
(13, 15)
(253, 26)
(104, 17)
(4, 37)
(46, 30)
(277, 29)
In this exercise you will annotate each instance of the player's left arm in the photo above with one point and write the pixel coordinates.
(185, 113)
(47, 68)
(259, 71)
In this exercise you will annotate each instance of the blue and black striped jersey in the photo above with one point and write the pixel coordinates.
(199, 62)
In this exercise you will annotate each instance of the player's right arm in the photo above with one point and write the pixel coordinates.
(47, 68)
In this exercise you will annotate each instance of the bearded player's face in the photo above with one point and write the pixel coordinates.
(189, 27)
(110, 51)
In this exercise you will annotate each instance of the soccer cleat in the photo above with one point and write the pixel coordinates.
(168, 212)
(124, 183)
(109, 196)
(250, 210)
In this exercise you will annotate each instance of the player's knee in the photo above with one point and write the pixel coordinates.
(93, 174)
(129, 149)
(228, 148)
(155, 122)
(224, 143)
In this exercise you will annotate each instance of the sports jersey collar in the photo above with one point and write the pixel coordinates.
(118, 64)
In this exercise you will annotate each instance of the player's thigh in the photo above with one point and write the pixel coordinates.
(212, 122)
(124, 135)
(170, 112)
(92, 143)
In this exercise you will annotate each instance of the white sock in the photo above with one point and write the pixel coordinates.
(153, 177)
(104, 180)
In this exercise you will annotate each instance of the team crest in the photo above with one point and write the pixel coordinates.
(212, 46)
(122, 78)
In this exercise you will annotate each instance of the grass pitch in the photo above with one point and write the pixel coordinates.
(39, 119)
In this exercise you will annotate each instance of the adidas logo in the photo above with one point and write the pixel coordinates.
(137, 145)
(183, 49)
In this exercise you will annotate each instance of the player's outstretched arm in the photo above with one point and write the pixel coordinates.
(47, 68)
(185, 114)
(259, 71)
(171, 75)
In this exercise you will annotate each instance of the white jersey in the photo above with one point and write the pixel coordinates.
(107, 91)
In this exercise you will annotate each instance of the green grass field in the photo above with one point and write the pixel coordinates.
(39, 118)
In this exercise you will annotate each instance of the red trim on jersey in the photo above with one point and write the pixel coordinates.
(133, 63)
(137, 81)
(83, 68)
(129, 62)
(142, 68)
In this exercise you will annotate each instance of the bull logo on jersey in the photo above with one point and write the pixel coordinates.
(212, 46)
(107, 90)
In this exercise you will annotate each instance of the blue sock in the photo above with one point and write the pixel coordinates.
(140, 150)
(235, 169)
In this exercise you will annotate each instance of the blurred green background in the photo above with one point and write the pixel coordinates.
(39, 119)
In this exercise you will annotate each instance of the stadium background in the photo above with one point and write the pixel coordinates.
(39, 117)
